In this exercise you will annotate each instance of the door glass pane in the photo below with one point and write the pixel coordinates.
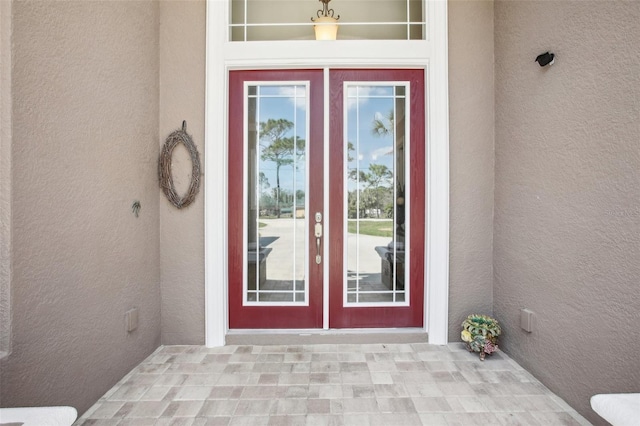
(376, 193)
(277, 130)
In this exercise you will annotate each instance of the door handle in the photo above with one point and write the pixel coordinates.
(318, 235)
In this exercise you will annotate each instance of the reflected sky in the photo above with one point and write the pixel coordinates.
(364, 105)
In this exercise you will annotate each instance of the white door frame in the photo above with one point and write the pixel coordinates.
(430, 54)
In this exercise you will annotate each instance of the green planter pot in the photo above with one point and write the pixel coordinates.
(480, 334)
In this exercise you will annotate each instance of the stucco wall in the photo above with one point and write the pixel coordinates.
(182, 32)
(85, 146)
(5, 178)
(182, 94)
(471, 144)
(567, 226)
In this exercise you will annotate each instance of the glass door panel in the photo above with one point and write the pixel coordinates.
(277, 131)
(375, 130)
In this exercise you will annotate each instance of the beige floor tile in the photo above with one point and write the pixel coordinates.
(255, 408)
(198, 393)
(359, 405)
(431, 405)
(469, 404)
(293, 379)
(354, 356)
(318, 406)
(263, 392)
(433, 419)
(357, 420)
(382, 366)
(324, 420)
(329, 384)
(174, 421)
(156, 393)
(380, 378)
(190, 358)
(326, 391)
(217, 408)
(397, 419)
(144, 421)
(468, 419)
(390, 391)
(298, 391)
(171, 379)
(395, 405)
(233, 379)
(183, 409)
(106, 410)
(516, 419)
(456, 389)
(325, 367)
(553, 418)
(359, 377)
(363, 391)
(212, 421)
(128, 393)
(98, 422)
(324, 378)
(240, 367)
(226, 392)
(296, 357)
(291, 407)
(287, 420)
(503, 403)
(152, 409)
(271, 357)
(249, 421)
(426, 389)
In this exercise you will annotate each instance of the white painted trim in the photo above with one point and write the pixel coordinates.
(430, 54)
(325, 216)
(321, 54)
(437, 199)
(215, 177)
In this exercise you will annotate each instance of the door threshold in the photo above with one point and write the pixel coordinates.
(333, 336)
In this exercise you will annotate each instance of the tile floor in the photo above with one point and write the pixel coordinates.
(328, 384)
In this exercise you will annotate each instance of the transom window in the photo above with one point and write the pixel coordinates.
(261, 20)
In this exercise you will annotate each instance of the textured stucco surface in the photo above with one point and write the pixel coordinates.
(5, 178)
(567, 225)
(85, 146)
(182, 94)
(471, 143)
(472, 170)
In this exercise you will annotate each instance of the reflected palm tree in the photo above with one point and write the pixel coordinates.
(383, 125)
(279, 149)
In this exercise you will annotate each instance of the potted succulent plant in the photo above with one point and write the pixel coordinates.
(480, 333)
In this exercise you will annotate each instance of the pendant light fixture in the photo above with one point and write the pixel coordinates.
(326, 27)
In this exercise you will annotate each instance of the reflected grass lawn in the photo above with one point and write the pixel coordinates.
(376, 228)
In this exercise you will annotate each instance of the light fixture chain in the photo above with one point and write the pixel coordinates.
(325, 11)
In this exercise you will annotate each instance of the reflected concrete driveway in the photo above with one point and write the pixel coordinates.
(286, 236)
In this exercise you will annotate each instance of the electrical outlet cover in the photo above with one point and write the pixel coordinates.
(131, 319)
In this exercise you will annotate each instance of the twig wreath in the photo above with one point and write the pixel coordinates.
(164, 168)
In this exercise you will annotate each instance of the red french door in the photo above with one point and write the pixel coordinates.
(377, 159)
(375, 217)
(275, 190)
